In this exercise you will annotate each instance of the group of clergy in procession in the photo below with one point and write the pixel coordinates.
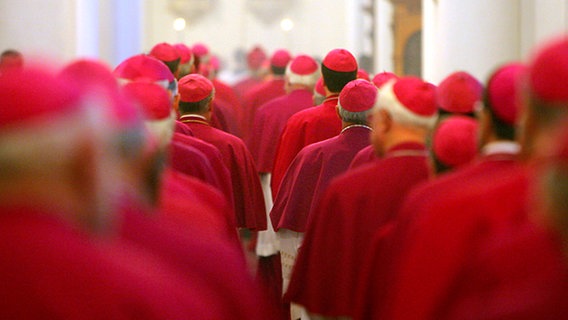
(141, 191)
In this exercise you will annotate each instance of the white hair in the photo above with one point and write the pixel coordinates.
(387, 100)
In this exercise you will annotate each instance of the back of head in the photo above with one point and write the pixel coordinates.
(459, 93)
(156, 107)
(502, 99)
(410, 102)
(303, 70)
(381, 78)
(546, 91)
(279, 60)
(454, 142)
(168, 54)
(338, 68)
(146, 68)
(196, 93)
(255, 58)
(11, 60)
(356, 101)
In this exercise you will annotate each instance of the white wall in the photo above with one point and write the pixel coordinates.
(35, 27)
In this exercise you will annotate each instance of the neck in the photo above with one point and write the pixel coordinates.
(401, 134)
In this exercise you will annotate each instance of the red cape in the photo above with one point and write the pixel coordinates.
(309, 175)
(248, 197)
(339, 231)
(179, 192)
(304, 128)
(220, 170)
(245, 85)
(225, 117)
(256, 97)
(269, 122)
(363, 157)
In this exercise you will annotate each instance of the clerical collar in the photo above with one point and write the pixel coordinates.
(356, 126)
(195, 118)
(407, 149)
(501, 147)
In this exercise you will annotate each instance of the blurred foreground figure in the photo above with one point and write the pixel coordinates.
(58, 198)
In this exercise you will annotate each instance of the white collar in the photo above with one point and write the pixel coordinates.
(507, 147)
(193, 116)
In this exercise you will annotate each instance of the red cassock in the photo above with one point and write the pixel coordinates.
(338, 236)
(309, 175)
(247, 192)
(480, 232)
(225, 117)
(51, 270)
(245, 85)
(220, 170)
(202, 258)
(268, 123)
(180, 193)
(190, 161)
(363, 157)
(226, 93)
(304, 128)
(255, 98)
(374, 292)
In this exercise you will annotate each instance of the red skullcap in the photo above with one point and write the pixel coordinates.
(34, 94)
(319, 87)
(362, 74)
(255, 58)
(88, 72)
(381, 78)
(417, 96)
(502, 92)
(154, 99)
(143, 67)
(358, 95)
(200, 50)
(548, 71)
(164, 52)
(340, 60)
(459, 92)
(455, 141)
(184, 52)
(280, 58)
(194, 88)
(303, 69)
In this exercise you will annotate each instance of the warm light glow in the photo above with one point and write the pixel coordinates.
(179, 24)
(286, 24)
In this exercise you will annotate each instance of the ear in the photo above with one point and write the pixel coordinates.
(337, 111)
(382, 121)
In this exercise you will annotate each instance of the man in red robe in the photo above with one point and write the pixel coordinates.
(59, 257)
(360, 202)
(313, 169)
(272, 88)
(255, 58)
(490, 256)
(319, 123)
(196, 95)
